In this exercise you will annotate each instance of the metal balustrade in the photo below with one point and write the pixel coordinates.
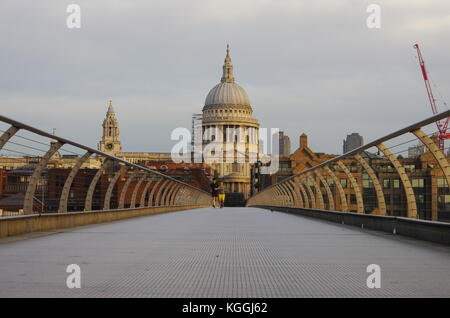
(145, 187)
(319, 187)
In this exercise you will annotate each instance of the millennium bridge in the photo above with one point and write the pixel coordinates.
(299, 237)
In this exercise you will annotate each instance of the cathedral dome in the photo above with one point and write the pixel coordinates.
(227, 94)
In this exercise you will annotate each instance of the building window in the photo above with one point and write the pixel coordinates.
(410, 168)
(442, 183)
(417, 183)
(396, 200)
(444, 198)
(367, 184)
(386, 183)
(396, 183)
(344, 183)
(353, 199)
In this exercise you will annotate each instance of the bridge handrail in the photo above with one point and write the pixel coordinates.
(294, 194)
(37, 131)
(371, 144)
(159, 189)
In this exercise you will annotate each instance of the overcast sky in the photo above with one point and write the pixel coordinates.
(307, 66)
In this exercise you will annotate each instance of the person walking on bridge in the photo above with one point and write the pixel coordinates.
(214, 191)
(221, 196)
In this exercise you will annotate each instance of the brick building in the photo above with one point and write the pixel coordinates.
(429, 185)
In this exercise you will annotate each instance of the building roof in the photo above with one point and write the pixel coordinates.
(110, 107)
(26, 169)
(227, 92)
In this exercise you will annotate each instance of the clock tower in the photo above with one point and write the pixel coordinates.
(110, 142)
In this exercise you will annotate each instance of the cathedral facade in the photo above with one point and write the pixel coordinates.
(227, 120)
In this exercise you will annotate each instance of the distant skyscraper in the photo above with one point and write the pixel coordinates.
(284, 144)
(196, 123)
(352, 141)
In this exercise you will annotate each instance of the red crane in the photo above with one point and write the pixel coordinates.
(442, 125)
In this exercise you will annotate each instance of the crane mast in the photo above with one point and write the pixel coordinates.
(441, 125)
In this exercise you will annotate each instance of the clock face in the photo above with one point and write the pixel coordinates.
(109, 146)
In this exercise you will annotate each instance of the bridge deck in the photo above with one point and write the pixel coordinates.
(230, 252)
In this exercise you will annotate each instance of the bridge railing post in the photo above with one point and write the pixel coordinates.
(130, 176)
(354, 185)
(31, 188)
(316, 185)
(410, 197)
(68, 183)
(141, 178)
(376, 183)
(112, 182)
(312, 197)
(330, 197)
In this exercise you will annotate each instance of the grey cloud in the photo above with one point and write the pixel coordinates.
(308, 66)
